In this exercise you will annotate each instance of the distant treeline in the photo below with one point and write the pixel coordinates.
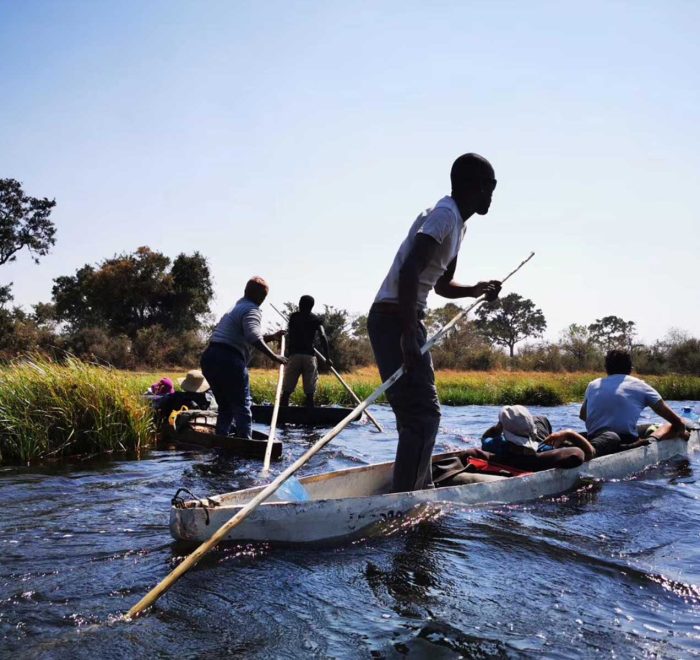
(144, 309)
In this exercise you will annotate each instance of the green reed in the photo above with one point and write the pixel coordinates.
(50, 410)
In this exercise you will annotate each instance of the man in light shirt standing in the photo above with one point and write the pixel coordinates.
(426, 260)
(612, 406)
(225, 361)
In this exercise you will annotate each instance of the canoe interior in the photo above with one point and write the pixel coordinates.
(301, 415)
(372, 480)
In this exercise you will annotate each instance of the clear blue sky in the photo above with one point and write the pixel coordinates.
(298, 140)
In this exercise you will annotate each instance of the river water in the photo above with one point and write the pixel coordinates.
(612, 569)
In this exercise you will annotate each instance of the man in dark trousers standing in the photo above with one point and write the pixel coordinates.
(426, 260)
(301, 332)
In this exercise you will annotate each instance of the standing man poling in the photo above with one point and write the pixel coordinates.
(426, 260)
(225, 361)
(302, 329)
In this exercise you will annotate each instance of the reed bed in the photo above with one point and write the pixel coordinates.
(48, 411)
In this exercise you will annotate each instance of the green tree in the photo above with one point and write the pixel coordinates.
(25, 223)
(612, 332)
(191, 291)
(437, 318)
(463, 347)
(5, 295)
(130, 292)
(359, 327)
(508, 320)
(578, 346)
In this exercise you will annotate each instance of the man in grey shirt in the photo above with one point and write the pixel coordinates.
(225, 361)
(426, 260)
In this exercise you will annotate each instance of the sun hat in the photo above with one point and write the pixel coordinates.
(194, 382)
(519, 426)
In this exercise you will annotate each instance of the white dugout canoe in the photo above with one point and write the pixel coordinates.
(345, 502)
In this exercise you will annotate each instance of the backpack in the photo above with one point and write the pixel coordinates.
(446, 469)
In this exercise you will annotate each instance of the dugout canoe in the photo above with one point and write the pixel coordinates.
(301, 415)
(345, 503)
(197, 429)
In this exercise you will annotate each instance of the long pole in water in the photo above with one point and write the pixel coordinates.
(340, 378)
(275, 413)
(246, 510)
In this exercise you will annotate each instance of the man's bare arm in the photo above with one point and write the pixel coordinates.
(677, 425)
(264, 348)
(448, 288)
(493, 431)
(576, 439)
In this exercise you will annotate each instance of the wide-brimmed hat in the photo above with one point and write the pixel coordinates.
(519, 426)
(194, 382)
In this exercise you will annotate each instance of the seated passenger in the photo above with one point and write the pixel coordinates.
(521, 441)
(161, 388)
(527, 442)
(193, 395)
(612, 406)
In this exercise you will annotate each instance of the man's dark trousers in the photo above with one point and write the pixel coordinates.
(413, 398)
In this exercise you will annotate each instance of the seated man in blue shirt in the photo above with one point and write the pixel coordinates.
(225, 361)
(612, 406)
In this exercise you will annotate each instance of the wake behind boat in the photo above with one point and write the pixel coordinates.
(345, 502)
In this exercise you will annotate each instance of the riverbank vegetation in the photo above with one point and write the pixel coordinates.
(461, 388)
(50, 411)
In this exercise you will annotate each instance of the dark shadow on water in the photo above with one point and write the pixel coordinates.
(438, 640)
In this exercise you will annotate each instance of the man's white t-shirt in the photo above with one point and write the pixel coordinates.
(444, 223)
(615, 403)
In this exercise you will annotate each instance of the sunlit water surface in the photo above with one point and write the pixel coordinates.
(613, 568)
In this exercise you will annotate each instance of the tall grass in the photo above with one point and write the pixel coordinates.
(49, 410)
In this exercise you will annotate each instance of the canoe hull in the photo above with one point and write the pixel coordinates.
(202, 435)
(301, 415)
(340, 515)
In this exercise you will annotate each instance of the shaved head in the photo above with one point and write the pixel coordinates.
(469, 167)
(306, 303)
(473, 182)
